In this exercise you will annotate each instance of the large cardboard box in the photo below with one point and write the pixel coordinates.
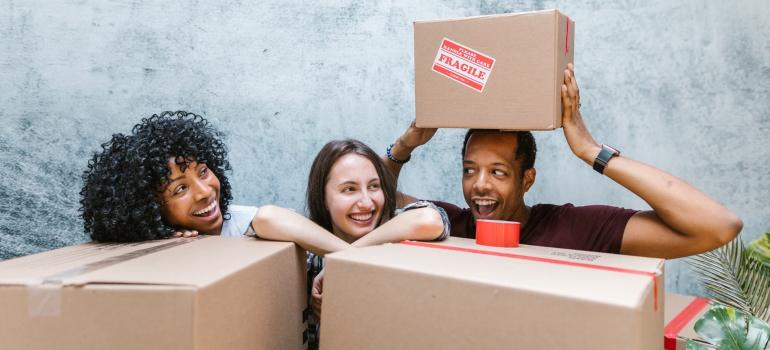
(492, 72)
(205, 293)
(458, 295)
(682, 311)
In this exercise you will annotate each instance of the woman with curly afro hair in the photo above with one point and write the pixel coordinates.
(167, 179)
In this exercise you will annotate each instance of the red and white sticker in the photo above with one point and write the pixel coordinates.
(463, 64)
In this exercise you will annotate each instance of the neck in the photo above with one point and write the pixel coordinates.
(522, 215)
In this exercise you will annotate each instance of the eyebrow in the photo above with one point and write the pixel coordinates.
(170, 181)
(351, 182)
(466, 161)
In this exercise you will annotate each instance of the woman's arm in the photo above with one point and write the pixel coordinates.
(421, 224)
(281, 224)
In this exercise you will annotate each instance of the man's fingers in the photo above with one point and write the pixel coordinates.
(574, 83)
(178, 234)
(565, 98)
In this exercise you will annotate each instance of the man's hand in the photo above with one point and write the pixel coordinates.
(402, 149)
(578, 137)
(414, 137)
(185, 234)
(315, 293)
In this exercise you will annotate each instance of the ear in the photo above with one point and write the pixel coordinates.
(528, 179)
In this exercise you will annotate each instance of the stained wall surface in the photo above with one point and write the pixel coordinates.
(681, 85)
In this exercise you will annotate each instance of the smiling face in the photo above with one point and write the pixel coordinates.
(191, 198)
(493, 183)
(354, 197)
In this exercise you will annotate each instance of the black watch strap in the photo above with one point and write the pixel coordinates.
(604, 157)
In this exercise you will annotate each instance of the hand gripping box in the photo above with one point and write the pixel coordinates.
(205, 293)
(459, 295)
(682, 311)
(492, 72)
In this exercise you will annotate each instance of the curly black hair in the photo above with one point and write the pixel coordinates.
(121, 201)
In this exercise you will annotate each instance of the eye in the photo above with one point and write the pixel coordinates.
(203, 172)
(468, 171)
(180, 189)
(374, 186)
(498, 172)
(348, 189)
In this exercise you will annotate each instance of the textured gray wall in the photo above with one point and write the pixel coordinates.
(682, 85)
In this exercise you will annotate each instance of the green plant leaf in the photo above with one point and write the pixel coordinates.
(735, 277)
(760, 248)
(731, 329)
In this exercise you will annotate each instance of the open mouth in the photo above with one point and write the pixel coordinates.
(485, 207)
(363, 219)
(210, 210)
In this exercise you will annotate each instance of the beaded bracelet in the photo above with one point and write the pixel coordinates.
(393, 159)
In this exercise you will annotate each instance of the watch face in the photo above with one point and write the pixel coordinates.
(609, 148)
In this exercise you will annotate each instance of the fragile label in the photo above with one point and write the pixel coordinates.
(463, 64)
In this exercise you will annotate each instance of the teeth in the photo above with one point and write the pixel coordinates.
(485, 202)
(361, 217)
(206, 209)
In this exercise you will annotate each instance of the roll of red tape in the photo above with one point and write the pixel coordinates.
(497, 233)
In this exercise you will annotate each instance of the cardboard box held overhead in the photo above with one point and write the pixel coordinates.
(205, 293)
(682, 311)
(492, 72)
(459, 295)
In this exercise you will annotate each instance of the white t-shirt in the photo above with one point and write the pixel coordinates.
(240, 219)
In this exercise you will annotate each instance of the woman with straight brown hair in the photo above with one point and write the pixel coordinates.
(352, 194)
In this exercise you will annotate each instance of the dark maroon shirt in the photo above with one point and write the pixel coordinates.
(597, 228)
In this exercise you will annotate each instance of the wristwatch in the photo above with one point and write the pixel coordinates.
(604, 157)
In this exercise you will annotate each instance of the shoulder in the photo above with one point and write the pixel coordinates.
(584, 212)
(591, 227)
(451, 210)
(239, 210)
(238, 220)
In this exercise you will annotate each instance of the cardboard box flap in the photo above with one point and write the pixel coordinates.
(146, 263)
(614, 286)
(680, 314)
(482, 17)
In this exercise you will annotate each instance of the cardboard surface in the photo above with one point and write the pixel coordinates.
(682, 311)
(205, 293)
(519, 56)
(459, 295)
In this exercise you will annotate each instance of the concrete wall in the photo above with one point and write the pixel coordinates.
(682, 85)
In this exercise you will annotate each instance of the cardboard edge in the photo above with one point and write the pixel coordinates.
(481, 17)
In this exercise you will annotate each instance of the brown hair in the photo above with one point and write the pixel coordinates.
(319, 175)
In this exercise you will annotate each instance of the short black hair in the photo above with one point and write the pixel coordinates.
(121, 195)
(526, 149)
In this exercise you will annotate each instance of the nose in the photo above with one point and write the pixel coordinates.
(365, 201)
(482, 184)
(201, 190)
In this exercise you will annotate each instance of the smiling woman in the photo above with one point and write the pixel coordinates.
(146, 185)
(168, 178)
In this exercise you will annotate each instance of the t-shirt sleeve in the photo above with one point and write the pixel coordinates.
(239, 222)
(600, 227)
(460, 220)
(441, 212)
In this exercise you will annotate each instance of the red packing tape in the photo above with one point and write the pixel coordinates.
(683, 318)
(545, 260)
